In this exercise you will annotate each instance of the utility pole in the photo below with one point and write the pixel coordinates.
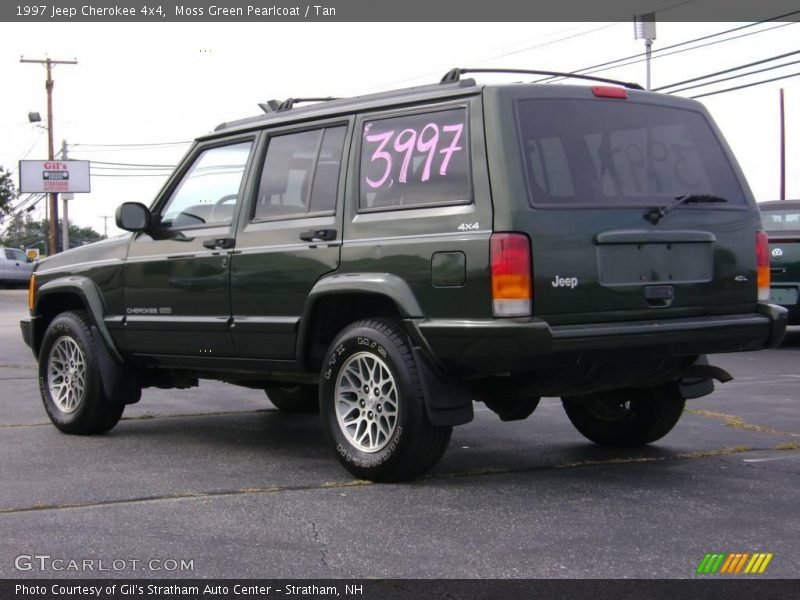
(65, 198)
(783, 149)
(48, 62)
(105, 224)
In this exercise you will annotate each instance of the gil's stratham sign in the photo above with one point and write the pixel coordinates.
(36, 176)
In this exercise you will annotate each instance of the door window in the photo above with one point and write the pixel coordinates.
(208, 191)
(301, 174)
(16, 255)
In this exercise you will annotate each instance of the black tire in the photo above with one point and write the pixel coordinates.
(626, 418)
(294, 398)
(400, 442)
(93, 412)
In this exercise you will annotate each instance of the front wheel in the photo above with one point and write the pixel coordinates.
(372, 405)
(69, 378)
(626, 418)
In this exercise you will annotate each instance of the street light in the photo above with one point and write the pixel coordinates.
(34, 117)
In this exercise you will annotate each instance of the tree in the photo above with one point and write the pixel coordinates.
(24, 232)
(8, 192)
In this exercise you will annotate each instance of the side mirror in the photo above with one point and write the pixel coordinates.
(133, 216)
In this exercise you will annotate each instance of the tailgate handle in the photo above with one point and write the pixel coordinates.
(659, 296)
(639, 236)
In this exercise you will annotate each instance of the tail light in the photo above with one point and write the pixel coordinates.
(510, 259)
(762, 262)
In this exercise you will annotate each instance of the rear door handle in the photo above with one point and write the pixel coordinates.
(220, 243)
(318, 235)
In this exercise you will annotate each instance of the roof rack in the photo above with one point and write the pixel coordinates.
(455, 74)
(271, 106)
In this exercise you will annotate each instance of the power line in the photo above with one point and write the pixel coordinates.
(747, 85)
(130, 175)
(15, 213)
(661, 52)
(482, 60)
(548, 43)
(153, 144)
(24, 156)
(730, 70)
(121, 164)
(691, 87)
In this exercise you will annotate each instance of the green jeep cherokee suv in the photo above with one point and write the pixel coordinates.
(389, 259)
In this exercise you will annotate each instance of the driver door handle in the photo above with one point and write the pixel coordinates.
(318, 235)
(220, 243)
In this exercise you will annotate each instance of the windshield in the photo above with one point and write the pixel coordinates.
(781, 220)
(595, 152)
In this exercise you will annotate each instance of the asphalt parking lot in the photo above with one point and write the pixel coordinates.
(217, 476)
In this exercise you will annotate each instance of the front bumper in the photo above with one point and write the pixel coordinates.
(28, 327)
(475, 348)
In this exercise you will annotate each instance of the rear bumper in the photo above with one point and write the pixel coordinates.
(786, 295)
(470, 348)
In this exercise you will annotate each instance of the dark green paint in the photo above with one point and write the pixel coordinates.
(164, 297)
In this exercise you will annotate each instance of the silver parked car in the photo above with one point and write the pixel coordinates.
(15, 267)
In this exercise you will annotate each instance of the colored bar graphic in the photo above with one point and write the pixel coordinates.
(766, 562)
(717, 563)
(733, 563)
(727, 567)
(703, 563)
(740, 564)
(751, 564)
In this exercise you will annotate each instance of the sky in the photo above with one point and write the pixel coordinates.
(138, 84)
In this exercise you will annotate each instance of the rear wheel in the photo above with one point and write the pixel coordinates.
(69, 378)
(372, 405)
(294, 398)
(626, 418)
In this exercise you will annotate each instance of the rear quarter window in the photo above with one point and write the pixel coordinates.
(611, 152)
(415, 160)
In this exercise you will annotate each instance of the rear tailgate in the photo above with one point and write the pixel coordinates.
(593, 169)
(784, 251)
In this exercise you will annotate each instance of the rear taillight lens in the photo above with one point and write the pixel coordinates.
(510, 259)
(762, 262)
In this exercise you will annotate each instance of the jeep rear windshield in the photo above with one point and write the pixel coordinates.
(620, 153)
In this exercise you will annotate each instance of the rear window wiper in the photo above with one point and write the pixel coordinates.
(654, 215)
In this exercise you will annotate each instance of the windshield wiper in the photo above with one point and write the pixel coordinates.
(654, 215)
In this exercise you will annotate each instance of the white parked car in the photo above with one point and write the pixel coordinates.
(15, 267)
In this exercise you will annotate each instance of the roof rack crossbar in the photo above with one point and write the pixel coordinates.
(454, 75)
(275, 106)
